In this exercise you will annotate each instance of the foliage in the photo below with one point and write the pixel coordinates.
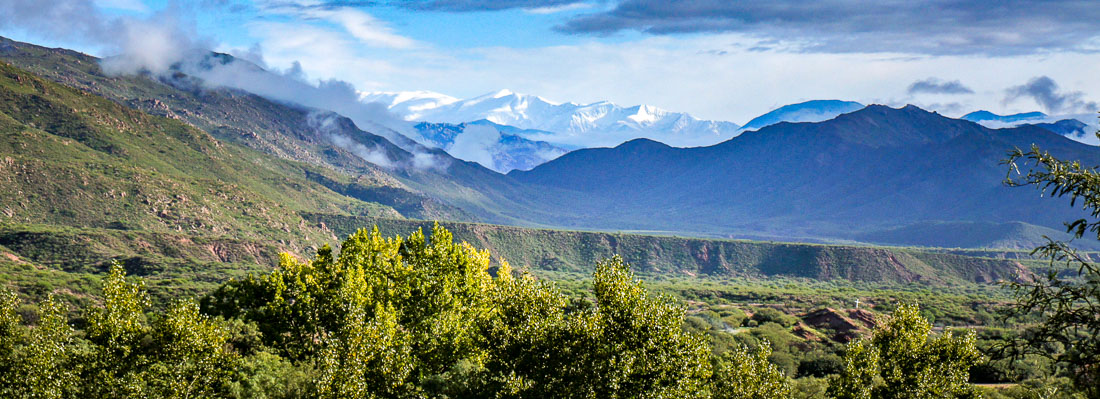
(741, 374)
(120, 355)
(627, 344)
(421, 299)
(190, 357)
(1066, 299)
(44, 368)
(408, 317)
(770, 315)
(902, 360)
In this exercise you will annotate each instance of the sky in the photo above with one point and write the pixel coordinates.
(715, 59)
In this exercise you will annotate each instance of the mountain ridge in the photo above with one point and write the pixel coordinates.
(859, 169)
(808, 111)
(600, 123)
(875, 169)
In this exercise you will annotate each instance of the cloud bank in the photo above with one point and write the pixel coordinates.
(150, 44)
(916, 26)
(168, 41)
(1044, 91)
(936, 86)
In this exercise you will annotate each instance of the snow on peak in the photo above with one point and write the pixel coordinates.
(578, 125)
(406, 103)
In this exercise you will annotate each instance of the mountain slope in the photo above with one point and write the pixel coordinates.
(872, 170)
(1071, 128)
(353, 161)
(497, 147)
(868, 170)
(75, 159)
(809, 111)
(574, 125)
(1011, 235)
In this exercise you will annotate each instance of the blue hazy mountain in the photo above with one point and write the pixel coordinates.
(986, 116)
(809, 111)
(875, 170)
(1067, 127)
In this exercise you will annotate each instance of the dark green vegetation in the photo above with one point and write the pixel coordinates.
(413, 317)
(572, 251)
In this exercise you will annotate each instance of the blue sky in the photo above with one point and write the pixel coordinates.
(716, 59)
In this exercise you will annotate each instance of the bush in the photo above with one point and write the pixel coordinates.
(769, 315)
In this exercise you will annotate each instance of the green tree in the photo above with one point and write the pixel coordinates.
(44, 367)
(739, 374)
(1066, 299)
(627, 344)
(11, 334)
(421, 298)
(116, 363)
(641, 349)
(903, 360)
(191, 357)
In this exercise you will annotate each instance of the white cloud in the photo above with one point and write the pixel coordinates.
(730, 77)
(368, 29)
(358, 24)
(476, 144)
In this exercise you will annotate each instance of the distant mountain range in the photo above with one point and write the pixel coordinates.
(864, 175)
(986, 116)
(809, 111)
(1072, 126)
(877, 174)
(566, 124)
(533, 130)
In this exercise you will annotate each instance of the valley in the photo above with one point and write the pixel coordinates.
(798, 232)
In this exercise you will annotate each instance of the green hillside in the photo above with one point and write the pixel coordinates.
(76, 159)
(94, 181)
(277, 130)
(575, 251)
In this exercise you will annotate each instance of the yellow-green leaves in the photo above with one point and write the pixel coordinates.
(383, 313)
(902, 360)
(44, 367)
(119, 322)
(192, 357)
(740, 374)
(628, 344)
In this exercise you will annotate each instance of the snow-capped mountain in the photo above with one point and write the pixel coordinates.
(809, 111)
(498, 147)
(408, 104)
(569, 124)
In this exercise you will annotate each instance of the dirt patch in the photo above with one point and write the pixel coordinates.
(863, 316)
(803, 331)
(846, 325)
